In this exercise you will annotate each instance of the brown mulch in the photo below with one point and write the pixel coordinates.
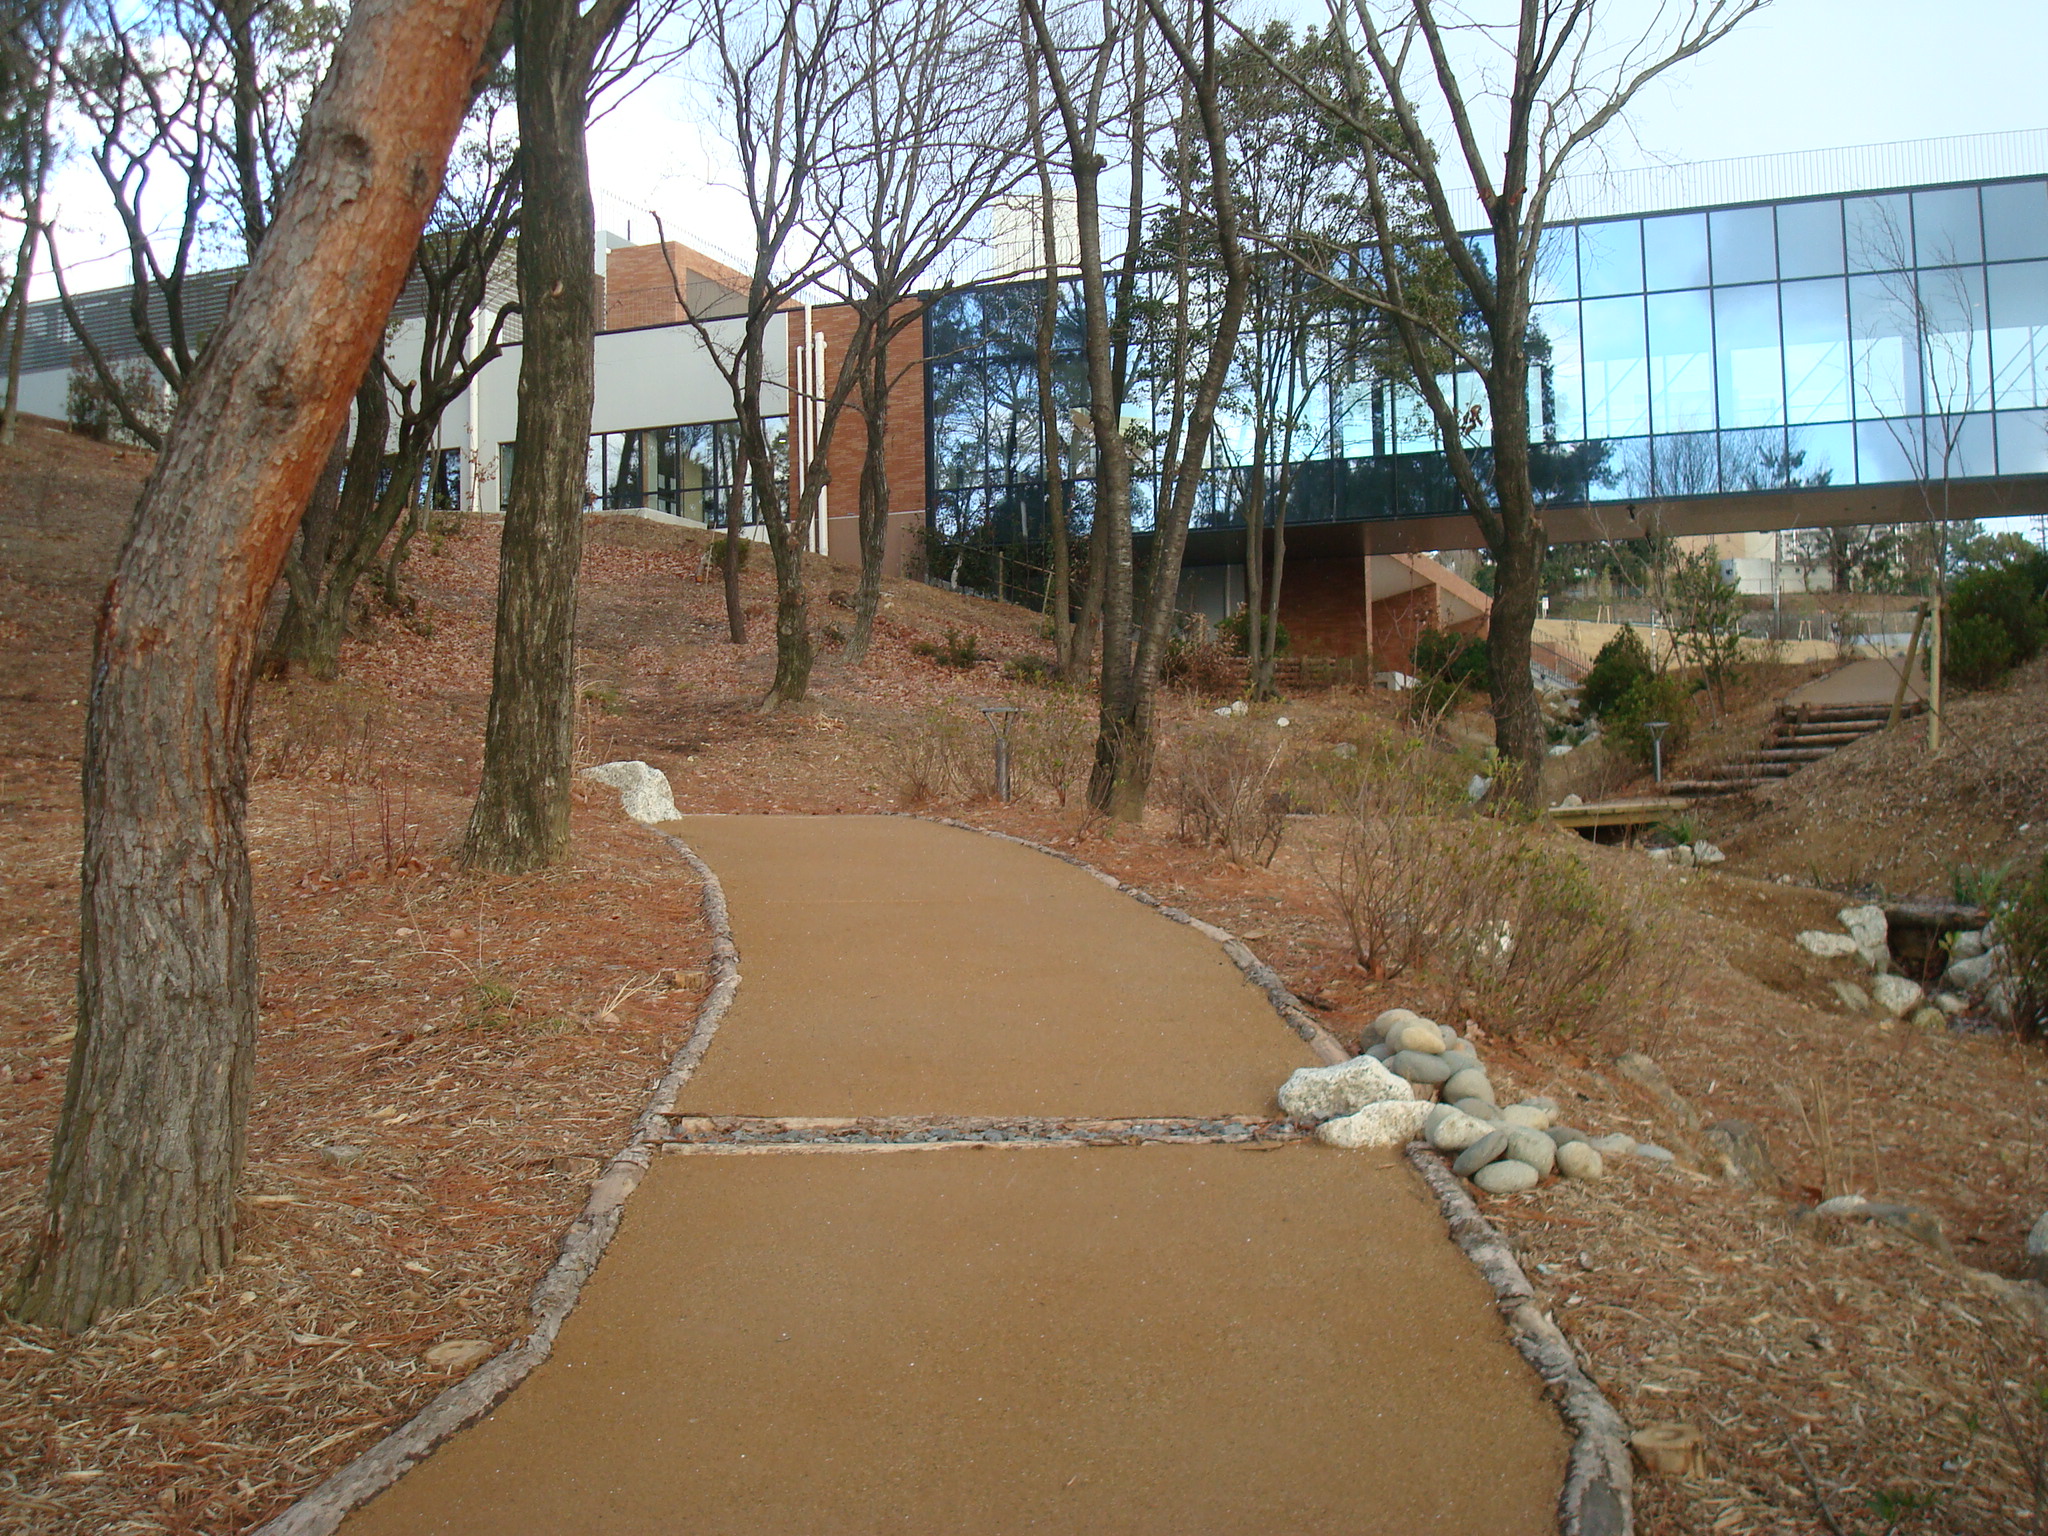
(1886, 815)
(454, 1029)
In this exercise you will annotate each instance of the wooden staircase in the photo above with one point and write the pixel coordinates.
(1801, 734)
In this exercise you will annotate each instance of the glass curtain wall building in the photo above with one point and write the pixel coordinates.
(1821, 341)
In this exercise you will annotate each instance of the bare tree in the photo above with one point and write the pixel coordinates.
(31, 46)
(150, 1143)
(420, 368)
(921, 150)
(564, 55)
(1135, 631)
(192, 111)
(781, 73)
(1563, 84)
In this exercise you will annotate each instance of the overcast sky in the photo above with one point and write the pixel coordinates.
(1801, 74)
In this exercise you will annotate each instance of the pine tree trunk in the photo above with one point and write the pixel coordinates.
(521, 818)
(150, 1143)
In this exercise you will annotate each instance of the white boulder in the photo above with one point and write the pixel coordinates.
(1975, 974)
(1707, 853)
(1390, 1123)
(1896, 995)
(1868, 928)
(1828, 946)
(643, 791)
(1323, 1093)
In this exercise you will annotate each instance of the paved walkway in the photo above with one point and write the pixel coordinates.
(1872, 681)
(998, 1338)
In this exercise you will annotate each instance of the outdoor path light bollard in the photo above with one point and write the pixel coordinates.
(999, 716)
(1656, 728)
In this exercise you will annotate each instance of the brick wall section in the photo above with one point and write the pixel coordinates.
(1396, 621)
(1322, 603)
(637, 288)
(903, 450)
(640, 288)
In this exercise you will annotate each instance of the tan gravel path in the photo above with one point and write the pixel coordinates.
(1147, 1339)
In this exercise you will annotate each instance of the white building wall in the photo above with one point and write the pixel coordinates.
(661, 376)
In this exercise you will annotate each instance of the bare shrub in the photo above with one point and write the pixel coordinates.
(1421, 880)
(1204, 668)
(1053, 747)
(1546, 949)
(932, 757)
(1227, 785)
(1384, 878)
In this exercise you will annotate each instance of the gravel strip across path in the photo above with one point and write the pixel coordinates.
(1001, 1336)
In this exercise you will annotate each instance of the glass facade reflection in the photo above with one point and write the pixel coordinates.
(1823, 341)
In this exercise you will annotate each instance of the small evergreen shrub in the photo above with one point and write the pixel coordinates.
(1655, 697)
(1997, 619)
(961, 650)
(1621, 664)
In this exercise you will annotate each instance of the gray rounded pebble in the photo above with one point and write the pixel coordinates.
(1654, 1153)
(1507, 1177)
(1418, 1066)
(1478, 1108)
(1461, 1061)
(1533, 1148)
(1380, 1052)
(1578, 1160)
(1468, 1084)
(1480, 1153)
(1564, 1134)
(1620, 1142)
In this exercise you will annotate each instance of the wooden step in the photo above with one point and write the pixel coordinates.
(1880, 713)
(1813, 740)
(1794, 754)
(1697, 787)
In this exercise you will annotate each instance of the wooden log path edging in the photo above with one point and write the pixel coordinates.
(321, 1510)
(1599, 1482)
(1598, 1494)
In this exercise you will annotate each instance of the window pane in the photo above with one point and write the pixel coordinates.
(1617, 377)
(1880, 232)
(2019, 334)
(1810, 239)
(1816, 318)
(1747, 361)
(1625, 473)
(1957, 352)
(1684, 465)
(1675, 251)
(1965, 447)
(1886, 382)
(1557, 265)
(1557, 408)
(1886, 451)
(1610, 258)
(1816, 456)
(2023, 442)
(1681, 361)
(1753, 459)
(2016, 221)
(1745, 246)
(1945, 227)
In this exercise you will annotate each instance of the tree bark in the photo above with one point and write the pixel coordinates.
(874, 494)
(521, 818)
(143, 1170)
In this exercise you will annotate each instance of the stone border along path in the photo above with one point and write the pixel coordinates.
(1595, 1501)
(321, 1511)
